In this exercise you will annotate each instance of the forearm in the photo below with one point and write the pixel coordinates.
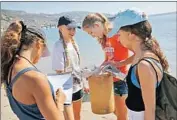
(126, 61)
(61, 109)
(104, 62)
(149, 114)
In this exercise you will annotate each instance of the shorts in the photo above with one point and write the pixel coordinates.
(133, 115)
(77, 96)
(120, 88)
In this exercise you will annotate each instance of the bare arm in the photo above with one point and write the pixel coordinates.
(125, 62)
(44, 99)
(147, 78)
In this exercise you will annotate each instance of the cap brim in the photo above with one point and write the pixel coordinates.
(46, 52)
(74, 25)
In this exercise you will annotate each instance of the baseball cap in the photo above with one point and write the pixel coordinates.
(40, 33)
(68, 21)
(125, 18)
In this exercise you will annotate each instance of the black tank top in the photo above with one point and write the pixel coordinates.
(134, 100)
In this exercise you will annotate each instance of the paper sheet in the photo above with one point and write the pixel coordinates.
(63, 81)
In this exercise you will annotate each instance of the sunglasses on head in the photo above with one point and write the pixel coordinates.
(24, 29)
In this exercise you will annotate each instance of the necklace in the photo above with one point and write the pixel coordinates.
(28, 61)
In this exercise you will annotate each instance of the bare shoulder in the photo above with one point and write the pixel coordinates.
(146, 71)
(144, 66)
(35, 79)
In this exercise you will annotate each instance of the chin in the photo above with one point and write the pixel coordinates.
(124, 45)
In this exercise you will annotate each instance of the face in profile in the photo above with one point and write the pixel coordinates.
(96, 31)
(40, 50)
(125, 38)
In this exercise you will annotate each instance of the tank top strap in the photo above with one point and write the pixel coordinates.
(21, 73)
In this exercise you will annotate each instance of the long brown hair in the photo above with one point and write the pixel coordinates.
(14, 38)
(144, 30)
(89, 21)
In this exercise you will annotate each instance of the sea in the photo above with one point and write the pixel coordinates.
(163, 28)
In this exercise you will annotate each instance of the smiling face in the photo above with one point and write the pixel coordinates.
(67, 32)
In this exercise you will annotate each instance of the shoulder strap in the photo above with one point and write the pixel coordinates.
(145, 59)
(153, 60)
(21, 73)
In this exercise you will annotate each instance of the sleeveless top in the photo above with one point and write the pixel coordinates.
(134, 100)
(24, 112)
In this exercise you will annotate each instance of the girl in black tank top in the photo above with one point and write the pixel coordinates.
(134, 100)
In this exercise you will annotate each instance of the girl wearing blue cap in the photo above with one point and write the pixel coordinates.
(145, 74)
(30, 94)
(66, 58)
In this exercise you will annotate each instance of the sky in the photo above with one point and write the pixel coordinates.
(103, 7)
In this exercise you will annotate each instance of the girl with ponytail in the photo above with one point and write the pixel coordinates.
(30, 94)
(146, 72)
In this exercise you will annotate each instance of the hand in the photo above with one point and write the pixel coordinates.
(86, 90)
(111, 62)
(119, 64)
(60, 99)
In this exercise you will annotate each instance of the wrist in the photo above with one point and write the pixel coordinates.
(60, 106)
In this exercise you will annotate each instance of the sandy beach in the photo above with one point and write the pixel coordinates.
(86, 114)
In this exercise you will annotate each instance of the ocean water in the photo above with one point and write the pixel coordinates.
(164, 29)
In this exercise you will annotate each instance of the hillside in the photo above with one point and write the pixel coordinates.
(41, 19)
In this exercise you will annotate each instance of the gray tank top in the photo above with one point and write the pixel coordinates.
(24, 112)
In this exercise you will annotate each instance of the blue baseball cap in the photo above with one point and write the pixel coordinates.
(125, 18)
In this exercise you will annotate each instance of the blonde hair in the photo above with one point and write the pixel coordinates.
(89, 21)
(67, 60)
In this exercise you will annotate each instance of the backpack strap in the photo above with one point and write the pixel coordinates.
(156, 63)
(147, 60)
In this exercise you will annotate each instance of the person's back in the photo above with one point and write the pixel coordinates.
(18, 94)
(30, 94)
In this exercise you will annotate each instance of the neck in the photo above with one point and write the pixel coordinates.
(27, 54)
(67, 40)
(137, 49)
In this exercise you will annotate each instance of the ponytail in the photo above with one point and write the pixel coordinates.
(143, 30)
(10, 42)
(152, 44)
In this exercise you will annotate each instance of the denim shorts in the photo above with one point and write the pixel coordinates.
(120, 88)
